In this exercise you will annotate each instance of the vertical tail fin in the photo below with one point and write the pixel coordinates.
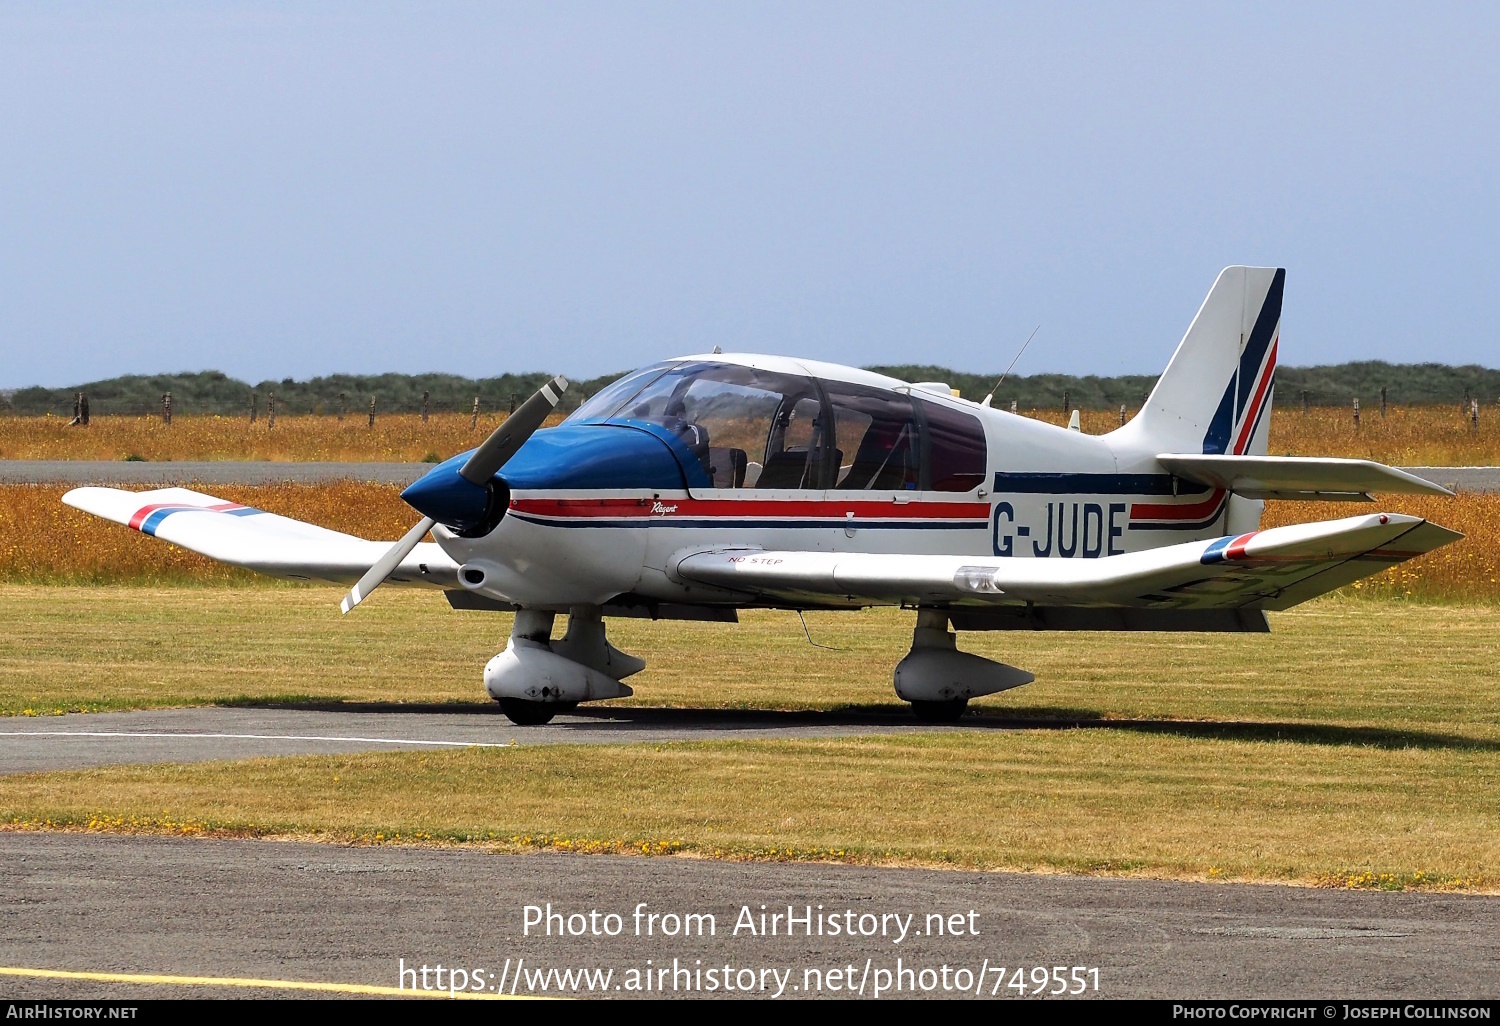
(1215, 395)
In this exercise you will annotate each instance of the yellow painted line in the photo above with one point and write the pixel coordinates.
(237, 981)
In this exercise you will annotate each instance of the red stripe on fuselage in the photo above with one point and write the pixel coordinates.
(1174, 511)
(811, 509)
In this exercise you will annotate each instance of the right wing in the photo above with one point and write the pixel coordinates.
(257, 540)
(1272, 569)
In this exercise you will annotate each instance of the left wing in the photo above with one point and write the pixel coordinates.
(252, 538)
(1272, 569)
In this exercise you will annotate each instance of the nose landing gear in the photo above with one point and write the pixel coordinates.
(536, 678)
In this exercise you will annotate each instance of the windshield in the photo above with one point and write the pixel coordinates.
(747, 428)
(609, 399)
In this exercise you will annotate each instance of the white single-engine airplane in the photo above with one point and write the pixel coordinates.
(707, 484)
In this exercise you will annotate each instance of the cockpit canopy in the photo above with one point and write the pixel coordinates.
(749, 428)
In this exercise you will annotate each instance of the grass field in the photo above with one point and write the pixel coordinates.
(1411, 436)
(1358, 745)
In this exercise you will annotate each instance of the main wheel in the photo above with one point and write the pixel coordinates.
(940, 712)
(524, 713)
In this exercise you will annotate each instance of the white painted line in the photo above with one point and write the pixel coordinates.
(255, 737)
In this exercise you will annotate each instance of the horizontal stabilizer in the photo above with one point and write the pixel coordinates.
(1271, 569)
(1296, 477)
(256, 540)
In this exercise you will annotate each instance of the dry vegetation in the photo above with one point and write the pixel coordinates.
(397, 438)
(1356, 744)
(1407, 436)
(41, 540)
(1411, 436)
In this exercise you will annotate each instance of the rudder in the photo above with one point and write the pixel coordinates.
(1215, 395)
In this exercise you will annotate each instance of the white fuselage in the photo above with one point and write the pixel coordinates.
(1049, 492)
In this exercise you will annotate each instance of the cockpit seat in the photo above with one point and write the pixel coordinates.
(884, 460)
(727, 466)
(791, 468)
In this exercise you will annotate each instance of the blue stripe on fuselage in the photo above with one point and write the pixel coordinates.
(1096, 484)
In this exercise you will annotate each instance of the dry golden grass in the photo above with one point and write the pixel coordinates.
(41, 540)
(1407, 436)
(399, 438)
(1359, 744)
(1466, 571)
(1410, 436)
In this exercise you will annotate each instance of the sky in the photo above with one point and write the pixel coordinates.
(286, 190)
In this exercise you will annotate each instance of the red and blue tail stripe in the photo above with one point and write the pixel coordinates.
(148, 518)
(1249, 389)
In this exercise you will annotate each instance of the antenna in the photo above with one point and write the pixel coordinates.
(991, 396)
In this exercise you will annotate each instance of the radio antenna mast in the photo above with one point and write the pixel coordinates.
(989, 398)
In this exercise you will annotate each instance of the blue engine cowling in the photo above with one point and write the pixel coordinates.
(568, 457)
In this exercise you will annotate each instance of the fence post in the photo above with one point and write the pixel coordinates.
(1356, 413)
(83, 407)
(77, 410)
(425, 394)
(341, 406)
(1382, 402)
(474, 420)
(513, 402)
(271, 410)
(1122, 414)
(254, 401)
(166, 408)
(1013, 405)
(1304, 401)
(372, 412)
(1474, 415)
(1066, 405)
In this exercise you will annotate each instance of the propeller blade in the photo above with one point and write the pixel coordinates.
(512, 434)
(386, 565)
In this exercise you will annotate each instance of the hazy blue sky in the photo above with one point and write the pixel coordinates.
(295, 189)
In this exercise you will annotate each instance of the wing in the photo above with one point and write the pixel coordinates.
(1297, 477)
(1271, 569)
(257, 540)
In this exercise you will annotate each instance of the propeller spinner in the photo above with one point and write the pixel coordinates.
(485, 462)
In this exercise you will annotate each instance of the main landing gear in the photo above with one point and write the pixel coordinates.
(938, 680)
(536, 678)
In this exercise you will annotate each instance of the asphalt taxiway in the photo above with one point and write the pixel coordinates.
(35, 744)
(294, 911)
